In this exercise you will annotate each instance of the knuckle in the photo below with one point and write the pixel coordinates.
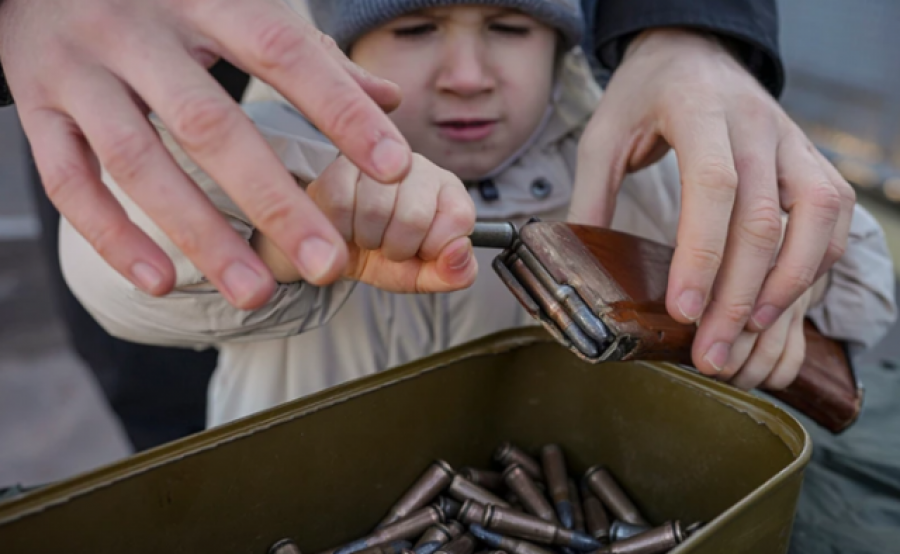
(704, 259)
(202, 121)
(717, 176)
(825, 198)
(836, 249)
(188, 239)
(417, 218)
(270, 210)
(126, 154)
(278, 44)
(762, 227)
(799, 279)
(347, 112)
(106, 236)
(738, 313)
(64, 180)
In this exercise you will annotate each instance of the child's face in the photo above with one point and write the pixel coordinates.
(476, 81)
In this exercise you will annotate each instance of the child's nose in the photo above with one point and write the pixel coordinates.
(465, 69)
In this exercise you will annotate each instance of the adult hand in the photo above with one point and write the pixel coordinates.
(742, 162)
(85, 74)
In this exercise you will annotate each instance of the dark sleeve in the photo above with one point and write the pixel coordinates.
(232, 79)
(752, 26)
(5, 96)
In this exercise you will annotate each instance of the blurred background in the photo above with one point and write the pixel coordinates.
(843, 87)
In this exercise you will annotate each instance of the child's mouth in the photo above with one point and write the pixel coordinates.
(467, 130)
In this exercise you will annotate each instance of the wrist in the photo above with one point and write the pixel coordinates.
(667, 37)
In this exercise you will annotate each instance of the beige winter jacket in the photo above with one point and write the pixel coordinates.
(308, 338)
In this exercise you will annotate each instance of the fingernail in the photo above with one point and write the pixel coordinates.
(717, 356)
(390, 158)
(316, 258)
(765, 316)
(242, 282)
(147, 276)
(690, 304)
(459, 259)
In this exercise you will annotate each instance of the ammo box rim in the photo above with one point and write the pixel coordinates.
(777, 421)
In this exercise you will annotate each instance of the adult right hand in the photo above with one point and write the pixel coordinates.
(85, 74)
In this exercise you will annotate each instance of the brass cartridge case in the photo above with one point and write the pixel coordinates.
(557, 482)
(472, 513)
(577, 507)
(462, 489)
(463, 544)
(411, 526)
(602, 484)
(508, 454)
(656, 541)
(284, 546)
(435, 479)
(507, 544)
(491, 480)
(619, 530)
(449, 506)
(528, 494)
(528, 527)
(595, 518)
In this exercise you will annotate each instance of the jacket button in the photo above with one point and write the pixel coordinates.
(541, 188)
(488, 190)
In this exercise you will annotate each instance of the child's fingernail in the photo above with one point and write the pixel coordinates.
(147, 276)
(765, 316)
(460, 257)
(690, 304)
(717, 355)
(316, 258)
(242, 282)
(390, 158)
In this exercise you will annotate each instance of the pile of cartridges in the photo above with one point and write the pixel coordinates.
(529, 508)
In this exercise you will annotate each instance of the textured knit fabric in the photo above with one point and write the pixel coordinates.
(347, 20)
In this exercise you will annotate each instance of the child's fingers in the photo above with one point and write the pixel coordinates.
(374, 209)
(414, 212)
(455, 269)
(455, 218)
(767, 353)
(791, 361)
(334, 192)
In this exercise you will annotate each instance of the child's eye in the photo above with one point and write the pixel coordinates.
(419, 30)
(510, 29)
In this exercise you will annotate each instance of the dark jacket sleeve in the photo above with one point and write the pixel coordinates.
(751, 24)
(5, 96)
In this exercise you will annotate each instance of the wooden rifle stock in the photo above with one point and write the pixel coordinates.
(623, 278)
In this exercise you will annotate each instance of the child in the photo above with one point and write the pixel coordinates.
(494, 92)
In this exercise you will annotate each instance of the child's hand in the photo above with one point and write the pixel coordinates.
(772, 359)
(407, 237)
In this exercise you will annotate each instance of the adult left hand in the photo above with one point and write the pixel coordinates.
(743, 162)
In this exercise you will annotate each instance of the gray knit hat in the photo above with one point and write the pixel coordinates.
(347, 20)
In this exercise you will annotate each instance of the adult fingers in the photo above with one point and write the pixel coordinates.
(414, 212)
(815, 207)
(219, 137)
(698, 131)
(131, 152)
(602, 162)
(752, 241)
(766, 355)
(839, 238)
(298, 60)
(70, 176)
